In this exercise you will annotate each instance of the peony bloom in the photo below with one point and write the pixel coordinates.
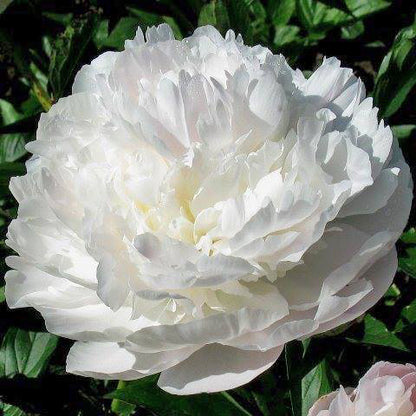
(385, 390)
(196, 204)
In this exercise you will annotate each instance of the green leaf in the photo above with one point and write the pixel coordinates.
(207, 15)
(124, 29)
(261, 402)
(24, 352)
(9, 169)
(8, 113)
(11, 145)
(118, 406)
(289, 42)
(409, 237)
(145, 393)
(241, 17)
(281, 11)
(146, 19)
(4, 4)
(314, 385)
(259, 27)
(285, 35)
(317, 18)
(101, 34)
(392, 295)
(9, 410)
(408, 264)
(22, 61)
(409, 312)
(353, 30)
(215, 14)
(375, 44)
(337, 4)
(397, 74)
(376, 333)
(404, 131)
(364, 8)
(61, 18)
(246, 17)
(68, 51)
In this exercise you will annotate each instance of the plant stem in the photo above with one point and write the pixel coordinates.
(235, 403)
(116, 404)
(293, 355)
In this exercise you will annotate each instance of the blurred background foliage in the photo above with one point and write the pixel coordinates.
(43, 43)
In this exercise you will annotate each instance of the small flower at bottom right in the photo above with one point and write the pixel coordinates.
(387, 389)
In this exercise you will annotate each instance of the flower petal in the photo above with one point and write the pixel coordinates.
(216, 368)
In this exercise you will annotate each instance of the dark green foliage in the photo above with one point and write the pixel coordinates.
(43, 43)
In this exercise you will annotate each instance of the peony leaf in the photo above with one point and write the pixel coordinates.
(4, 4)
(124, 29)
(314, 385)
(101, 34)
(353, 30)
(207, 15)
(243, 16)
(404, 131)
(376, 333)
(9, 410)
(145, 393)
(120, 407)
(240, 14)
(68, 51)
(61, 18)
(406, 324)
(409, 312)
(8, 170)
(147, 19)
(338, 4)
(408, 263)
(286, 35)
(397, 74)
(409, 237)
(281, 11)
(26, 353)
(215, 13)
(363, 8)
(11, 145)
(288, 41)
(317, 18)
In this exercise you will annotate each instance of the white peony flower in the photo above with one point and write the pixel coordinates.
(387, 389)
(196, 204)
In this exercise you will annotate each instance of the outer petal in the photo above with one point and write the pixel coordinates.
(216, 368)
(110, 360)
(102, 360)
(69, 310)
